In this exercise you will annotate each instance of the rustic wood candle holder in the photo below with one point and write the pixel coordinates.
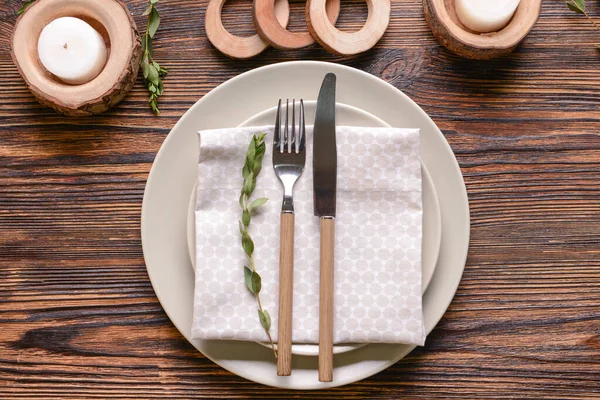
(113, 21)
(450, 32)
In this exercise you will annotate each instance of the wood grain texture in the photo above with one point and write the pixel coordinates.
(326, 276)
(286, 291)
(79, 318)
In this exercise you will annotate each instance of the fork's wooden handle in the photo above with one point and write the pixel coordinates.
(286, 275)
(326, 301)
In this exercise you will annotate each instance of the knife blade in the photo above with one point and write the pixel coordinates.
(324, 150)
(324, 188)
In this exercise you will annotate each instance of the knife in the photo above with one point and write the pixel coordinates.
(324, 189)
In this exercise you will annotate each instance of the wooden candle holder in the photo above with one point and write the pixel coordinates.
(450, 32)
(113, 21)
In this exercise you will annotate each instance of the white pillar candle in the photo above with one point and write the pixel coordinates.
(72, 50)
(485, 15)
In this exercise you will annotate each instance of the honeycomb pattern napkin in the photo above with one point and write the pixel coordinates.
(377, 240)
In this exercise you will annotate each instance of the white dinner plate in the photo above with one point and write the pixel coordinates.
(173, 174)
(432, 220)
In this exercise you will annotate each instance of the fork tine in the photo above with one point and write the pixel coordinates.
(293, 137)
(277, 130)
(302, 128)
(285, 129)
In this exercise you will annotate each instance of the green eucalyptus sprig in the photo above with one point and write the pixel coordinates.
(578, 6)
(250, 171)
(26, 4)
(152, 71)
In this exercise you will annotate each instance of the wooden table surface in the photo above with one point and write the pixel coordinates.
(79, 318)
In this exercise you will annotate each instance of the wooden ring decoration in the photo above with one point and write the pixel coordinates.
(450, 32)
(238, 46)
(113, 21)
(272, 31)
(345, 43)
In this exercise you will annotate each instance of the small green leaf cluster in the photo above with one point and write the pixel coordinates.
(152, 71)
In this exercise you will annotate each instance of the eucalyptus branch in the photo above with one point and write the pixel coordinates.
(152, 71)
(250, 171)
(26, 4)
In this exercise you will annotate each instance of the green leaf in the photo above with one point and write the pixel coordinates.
(253, 186)
(252, 280)
(257, 203)
(147, 11)
(153, 22)
(246, 217)
(245, 171)
(242, 230)
(247, 244)
(153, 2)
(260, 151)
(261, 148)
(161, 88)
(257, 166)
(247, 186)
(145, 67)
(241, 201)
(261, 137)
(574, 6)
(256, 282)
(258, 158)
(248, 278)
(265, 319)
(153, 75)
(147, 44)
(250, 154)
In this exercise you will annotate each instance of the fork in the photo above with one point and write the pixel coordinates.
(289, 157)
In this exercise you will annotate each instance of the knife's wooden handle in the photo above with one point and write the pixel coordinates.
(326, 301)
(286, 275)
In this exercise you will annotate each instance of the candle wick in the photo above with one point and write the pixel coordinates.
(65, 46)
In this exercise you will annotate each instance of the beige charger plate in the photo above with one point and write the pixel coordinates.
(173, 174)
(432, 221)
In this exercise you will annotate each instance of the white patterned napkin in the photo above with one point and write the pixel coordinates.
(377, 240)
